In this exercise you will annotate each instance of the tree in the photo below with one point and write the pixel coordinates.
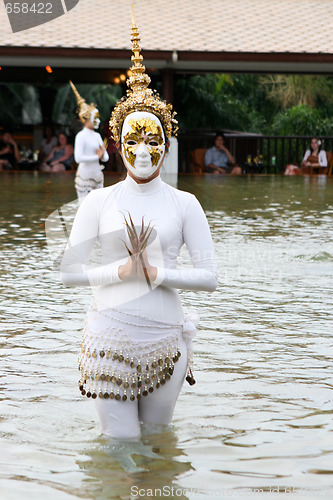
(302, 120)
(19, 103)
(223, 101)
(104, 96)
(293, 90)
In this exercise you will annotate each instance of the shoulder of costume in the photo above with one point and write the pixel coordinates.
(81, 132)
(184, 195)
(102, 193)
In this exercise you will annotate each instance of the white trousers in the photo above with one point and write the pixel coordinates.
(121, 419)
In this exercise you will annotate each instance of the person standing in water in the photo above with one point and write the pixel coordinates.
(89, 149)
(137, 340)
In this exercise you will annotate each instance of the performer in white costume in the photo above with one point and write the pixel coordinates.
(88, 149)
(136, 346)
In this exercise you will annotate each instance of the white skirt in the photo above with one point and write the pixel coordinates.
(89, 176)
(125, 356)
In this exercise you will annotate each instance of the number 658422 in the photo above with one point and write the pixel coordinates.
(25, 8)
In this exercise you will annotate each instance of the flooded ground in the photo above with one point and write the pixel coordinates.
(259, 420)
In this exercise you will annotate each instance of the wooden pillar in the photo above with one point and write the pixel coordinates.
(167, 84)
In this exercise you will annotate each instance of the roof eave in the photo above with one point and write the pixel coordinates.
(186, 61)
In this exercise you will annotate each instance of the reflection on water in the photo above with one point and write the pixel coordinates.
(152, 463)
(259, 419)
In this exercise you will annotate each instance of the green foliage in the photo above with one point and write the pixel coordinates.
(270, 104)
(223, 101)
(211, 102)
(104, 96)
(223, 80)
(19, 103)
(24, 107)
(302, 120)
(292, 90)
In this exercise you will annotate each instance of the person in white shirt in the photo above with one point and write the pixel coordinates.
(137, 340)
(89, 149)
(313, 157)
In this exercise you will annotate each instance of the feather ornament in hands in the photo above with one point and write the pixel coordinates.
(138, 242)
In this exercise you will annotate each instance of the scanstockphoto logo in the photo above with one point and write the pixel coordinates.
(27, 14)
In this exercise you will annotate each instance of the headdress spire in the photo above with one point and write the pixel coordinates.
(84, 109)
(139, 96)
(139, 80)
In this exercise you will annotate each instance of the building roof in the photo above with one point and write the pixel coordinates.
(265, 35)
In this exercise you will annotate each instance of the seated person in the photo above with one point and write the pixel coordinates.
(314, 157)
(9, 151)
(48, 143)
(61, 157)
(219, 160)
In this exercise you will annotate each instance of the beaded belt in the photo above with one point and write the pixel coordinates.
(114, 365)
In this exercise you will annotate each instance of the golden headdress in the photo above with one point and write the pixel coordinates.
(139, 97)
(84, 110)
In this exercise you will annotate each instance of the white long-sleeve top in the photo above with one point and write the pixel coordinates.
(177, 218)
(87, 142)
(322, 158)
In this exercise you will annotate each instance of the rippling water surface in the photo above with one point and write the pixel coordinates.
(259, 420)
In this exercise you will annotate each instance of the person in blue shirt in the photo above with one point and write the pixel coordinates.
(219, 160)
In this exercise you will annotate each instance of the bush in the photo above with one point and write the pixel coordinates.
(302, 120)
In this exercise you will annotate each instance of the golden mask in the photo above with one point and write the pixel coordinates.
(147, 131)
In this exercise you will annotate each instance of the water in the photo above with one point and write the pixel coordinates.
(259, 420)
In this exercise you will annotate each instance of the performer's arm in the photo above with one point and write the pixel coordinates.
(197, 238)
(74, 268)
(105, 156)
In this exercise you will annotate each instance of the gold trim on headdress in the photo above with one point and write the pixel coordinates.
(139, 97)
(84, 110)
